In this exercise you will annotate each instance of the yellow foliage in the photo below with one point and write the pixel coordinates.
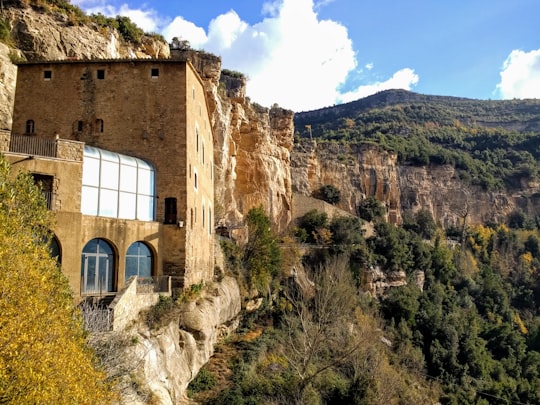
(517, 320)
(526, 259)
(43, 355)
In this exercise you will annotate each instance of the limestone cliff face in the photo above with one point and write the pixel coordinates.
(163, 362)
(360, 171)
(439, 190)
(252, 146)
(357, 171)
(8, 78)
(43, 36)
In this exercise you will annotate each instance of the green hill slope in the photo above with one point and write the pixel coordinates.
(494, 144)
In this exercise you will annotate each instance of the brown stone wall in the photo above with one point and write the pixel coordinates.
(75, 230)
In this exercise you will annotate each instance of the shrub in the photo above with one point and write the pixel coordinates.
(371, 209)
(5, 32)
(161, 313)
(204, 381)
(313, 222)
(129, 30)
(330, 194)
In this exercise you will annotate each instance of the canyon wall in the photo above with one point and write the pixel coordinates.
(366, 170)
(252, 146)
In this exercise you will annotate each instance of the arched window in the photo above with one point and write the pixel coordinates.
(97, 267)
(30, 127)
(139, 261)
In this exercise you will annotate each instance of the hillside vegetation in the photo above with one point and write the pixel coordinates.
(470, 334)
(494, 144)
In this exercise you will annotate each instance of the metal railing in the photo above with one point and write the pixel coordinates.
(32, 145)
(156, 284)
(48, 195)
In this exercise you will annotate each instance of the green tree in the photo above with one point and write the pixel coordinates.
(44, 358)
(371, 209)
(314, 222)
(262, 257)
(330, 194)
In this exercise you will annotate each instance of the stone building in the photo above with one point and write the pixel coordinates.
(124, 151)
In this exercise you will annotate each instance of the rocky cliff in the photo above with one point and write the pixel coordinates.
(361, 171)
(154, 364)
(357, 172)
(252, 146)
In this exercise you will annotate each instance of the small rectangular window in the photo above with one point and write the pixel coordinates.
(154, 72)
(47, 74)
(30, 127)
(79, 126)
(170, 210)
(100, 74)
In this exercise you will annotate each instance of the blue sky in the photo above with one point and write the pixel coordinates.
(308, 54)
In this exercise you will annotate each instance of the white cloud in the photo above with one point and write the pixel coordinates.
(183, 29)
(402, 79)
(147, 19)
(520, 75)
(291, 57)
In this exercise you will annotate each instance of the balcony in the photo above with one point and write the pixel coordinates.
(32, 145)
(36, 146)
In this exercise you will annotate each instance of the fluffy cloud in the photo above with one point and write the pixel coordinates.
(291, 57)
(147, 19)
(520, 75)
(402, 79)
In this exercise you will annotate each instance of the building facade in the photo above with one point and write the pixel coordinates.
(135, 194)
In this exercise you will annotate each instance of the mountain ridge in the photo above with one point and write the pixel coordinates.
(394, 97)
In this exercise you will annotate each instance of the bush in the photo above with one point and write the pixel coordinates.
(204, 381)
(330, 194)
(371, 209)
(5, 32)
(313, 222)
(161, 313)
(129, 30)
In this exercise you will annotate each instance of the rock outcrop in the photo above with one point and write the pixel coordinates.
(51, 36)
(252, 146)
(8, 79)
(165, 361)
(361, 171)
(357, 171)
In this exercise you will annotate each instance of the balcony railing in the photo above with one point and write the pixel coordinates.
(32, 145)
(156, 284)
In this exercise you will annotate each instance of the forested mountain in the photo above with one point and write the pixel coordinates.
(492, 143)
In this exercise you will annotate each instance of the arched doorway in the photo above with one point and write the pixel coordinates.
(97, 267)
(139, 261)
